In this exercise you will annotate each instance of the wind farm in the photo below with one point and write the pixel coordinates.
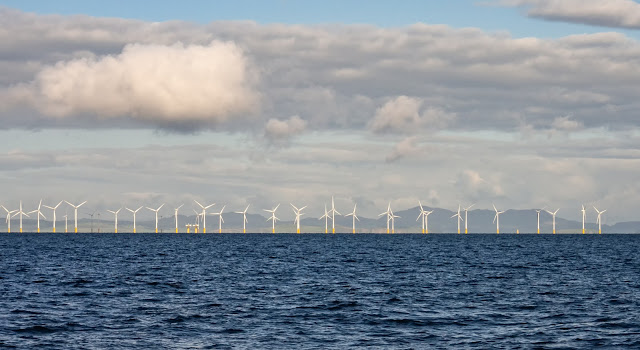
(239, 220)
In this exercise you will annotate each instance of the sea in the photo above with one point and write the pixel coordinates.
(317, 291)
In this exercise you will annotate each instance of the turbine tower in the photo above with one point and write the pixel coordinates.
(244, 218)
(538, 212)
(197, 224)
(354, 218)
(134, 217)
(54, 214)
(554, 219)
(8, 218)
(66, 227)
(75, 212)
(466, 230)
(39, 213)
(459, 218)
(599, 219)
(156, 210)
(584, 217)
(496, 219)
(426, 221)
(393, 222)
(388, 213)
(221, 220)
(204, 215)
(273, 217)
(116, 215)
(298, 214)
(175, 213)
(326, 219)
(333, 212)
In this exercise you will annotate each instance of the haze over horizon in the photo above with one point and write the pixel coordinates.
(521, 103)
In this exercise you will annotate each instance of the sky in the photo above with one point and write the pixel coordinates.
(518, 103)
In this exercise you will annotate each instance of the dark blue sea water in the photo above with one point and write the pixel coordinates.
(282, 291)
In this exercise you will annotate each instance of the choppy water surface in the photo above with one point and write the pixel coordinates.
(319, 291)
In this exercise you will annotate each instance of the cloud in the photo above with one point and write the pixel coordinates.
(566, 124)
(403, 114)
(281, 131)
(174, 86)
(606, 13)
(403, 148)
(472, 185)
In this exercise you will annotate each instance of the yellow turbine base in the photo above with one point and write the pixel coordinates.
(538, 231)
(76, 230)
(176, 230)
(582, 231)
(599, 232)
(38, 229)
(54, 230)
(244, 231)
(497, 232)
(387, 230)
(393, 231)
(204, 230)
(273, 230)
(422, 231)
(353, 231)
(115, 231)
(220, 231)
(20, 229)
(466, 231)
(426, 232)
(134, 230)
(298, 230)
(554, 232)
(333, 230)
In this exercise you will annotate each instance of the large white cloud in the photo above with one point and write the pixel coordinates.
(163, 85)
(609, 13)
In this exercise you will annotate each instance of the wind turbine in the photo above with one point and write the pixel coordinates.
(8, 218)
(204, 215)
(273, 218)
(66, 217)
(599, 219)
(538, 212)
(75, 212)
(116, 214)
(584, 217)
(459, 218)
(465, 218)
(393, 222)
(134, 217)
(426, 221)
(333, 212)
(176, 215)
(156, 210)
(21, 213)
(39, 213)
(221, 220)
(421, 215)
(554, 219)
(244, 218)
(388, 213)
(354, 218)
(326, 219)
(496, 219)
(54, 214)
(298, 214)
(197, 224)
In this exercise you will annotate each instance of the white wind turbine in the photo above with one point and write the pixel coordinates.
(554, 219)
(421, 215)
(156, 211)
(54, 214)
(333, 212)
(116, 215)
(244, 218)
(538, 212)
(599, 219)
(496, 219)
(458, 218)
(38, 214)
(75, 213)
(204, 215)
(393, 222)
(466, 221)
(21, 213)
(298, 214)
(221, 220)
(326, 219)
(354, 218)
(273, 217)
(426, 221)
(388, 213)
(584, 217)
(175, 213)
(134, 212)
(8, 218)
